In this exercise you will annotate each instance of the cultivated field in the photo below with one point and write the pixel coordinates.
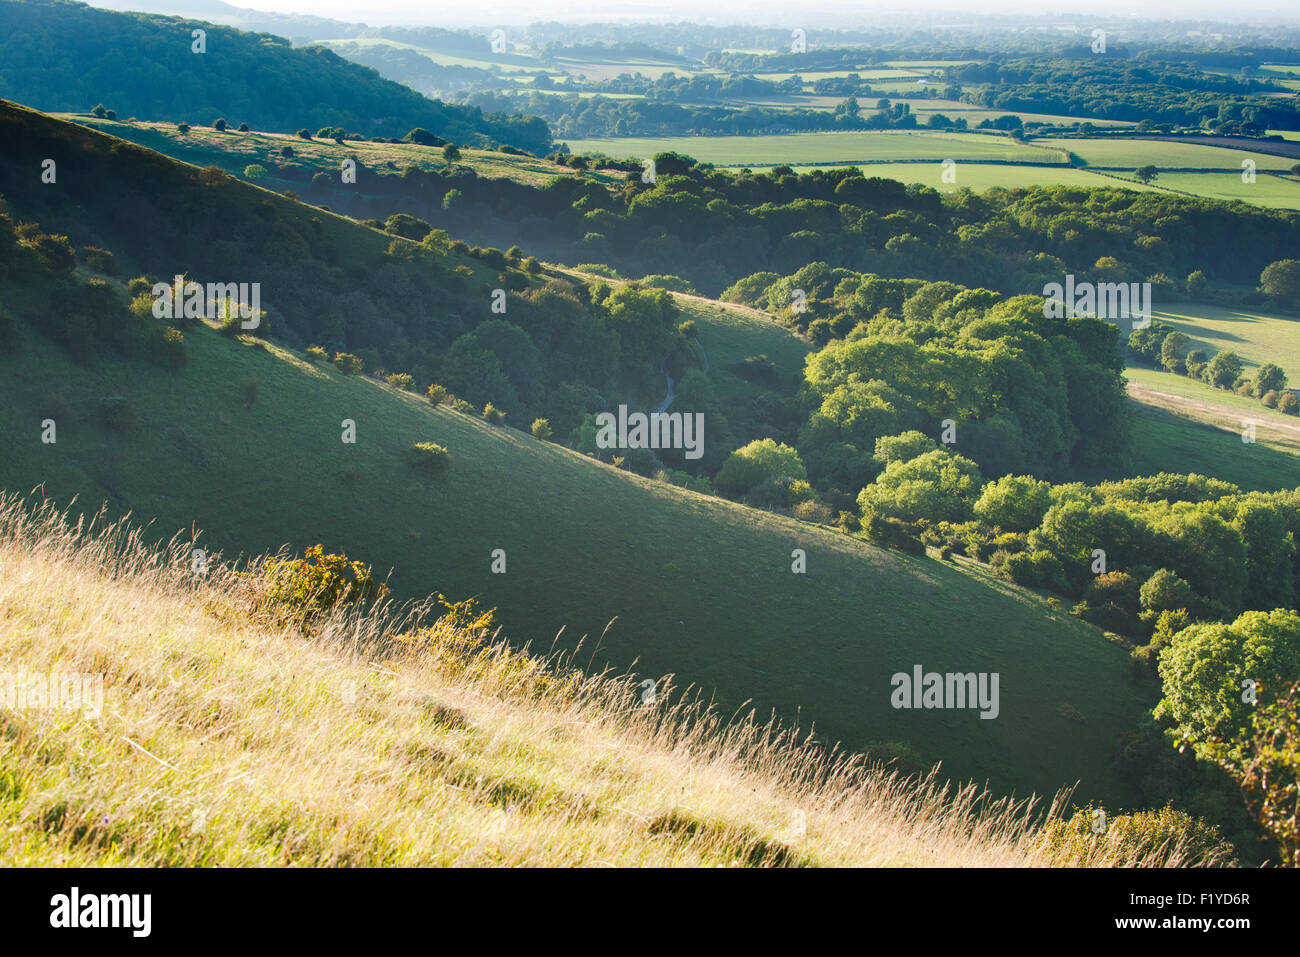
(840, 149)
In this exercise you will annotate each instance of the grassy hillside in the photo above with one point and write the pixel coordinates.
(226, 739)
(233, 151)
(1256, 336)
(700, 587)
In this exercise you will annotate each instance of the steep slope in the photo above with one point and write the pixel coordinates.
(210, 735)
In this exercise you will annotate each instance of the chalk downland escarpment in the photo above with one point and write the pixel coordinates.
(244, 443)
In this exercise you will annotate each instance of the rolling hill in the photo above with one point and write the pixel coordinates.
(696, 587)
(61, 55)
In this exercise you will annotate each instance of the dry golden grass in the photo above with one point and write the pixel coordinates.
(226, 738)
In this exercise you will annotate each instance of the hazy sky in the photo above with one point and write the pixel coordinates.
(782, 12)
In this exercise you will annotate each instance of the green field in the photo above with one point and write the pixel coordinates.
(1257, 337)
(700, 587)
(982, 176)
(1132, 153)
(825, 148)
(1268, 189)
(1186, 426)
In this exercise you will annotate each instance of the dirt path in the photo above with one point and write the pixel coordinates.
(1211, 412)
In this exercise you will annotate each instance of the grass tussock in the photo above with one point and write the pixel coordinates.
(232, 735)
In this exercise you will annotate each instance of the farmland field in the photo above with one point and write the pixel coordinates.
(1273, 191)
(982, 176)
(1255, 336)
(1132, 153)
(1186, 426)
(825, 148)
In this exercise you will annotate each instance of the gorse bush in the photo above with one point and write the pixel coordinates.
(348, 364)
(305, 588)
(1153, 836)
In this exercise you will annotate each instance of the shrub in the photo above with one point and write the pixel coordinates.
(304, 134)
(810, 510)
(248, 391)
(437, 394)
(541, 429)
(428, 457)
(1166, 835)
(1288, 402)
(348, 364)
(402, 380)
(493, 415)
(460, 405)
(1269, 399)
(407, 226)
(317, 354)
(760, 460)
(892, 533)
(171, 349)
(220, 125)
(450, 153)
(182, 128)
(304, 588)
(100, 260)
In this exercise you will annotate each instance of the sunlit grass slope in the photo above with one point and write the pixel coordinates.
(701, 588)
(225, 738)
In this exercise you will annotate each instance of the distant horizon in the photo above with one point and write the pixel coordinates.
(829, 14)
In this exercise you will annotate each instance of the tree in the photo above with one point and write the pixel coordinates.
(1172, 351)
(541, 429)
(904, 447)
(1269, 378)
(304, 134)
(254, 171)
(407, 226)
(759, 461)
(1014, 503)
(220, 125)
(1267, 767)
(182, 128)
(1165, 591)
(1197, 284)
(1207, 672)
(1223, 369)
(100, 111)
(1281, 281)
(1146, 174)
(937, 486)
(243, 127)
(451, 152)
